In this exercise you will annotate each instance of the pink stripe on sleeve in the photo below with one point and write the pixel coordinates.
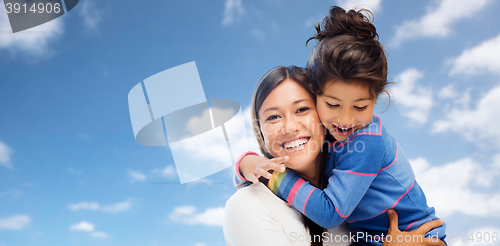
(410, 225)
(397, 150)
(394, 205)
(341, 215)
(362, 174)
(307, 199)
(294, 190)
(237, 165)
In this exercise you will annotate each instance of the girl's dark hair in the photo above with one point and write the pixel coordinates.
(348, 50)
(270, 80)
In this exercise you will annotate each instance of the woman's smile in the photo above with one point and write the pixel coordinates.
(296, 144)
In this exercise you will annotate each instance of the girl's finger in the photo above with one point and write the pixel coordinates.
(259, 172)
(279, 160)
(275, 167)
(251, 177)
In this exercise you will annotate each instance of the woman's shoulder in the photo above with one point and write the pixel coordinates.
(254, 196)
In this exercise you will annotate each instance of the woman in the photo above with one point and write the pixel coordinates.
(284, 114)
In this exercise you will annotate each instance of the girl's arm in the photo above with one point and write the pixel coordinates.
(351, 179)
(250, 166)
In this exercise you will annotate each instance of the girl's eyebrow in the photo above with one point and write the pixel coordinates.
(276, 108)
(361, 99)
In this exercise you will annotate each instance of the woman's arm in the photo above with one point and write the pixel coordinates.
(395, 237)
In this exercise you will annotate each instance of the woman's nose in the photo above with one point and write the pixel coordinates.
(289, 126)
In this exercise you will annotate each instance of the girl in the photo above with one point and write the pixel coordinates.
(367, 169)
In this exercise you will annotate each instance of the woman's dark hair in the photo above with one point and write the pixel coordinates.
(348, 50)
(267, 83)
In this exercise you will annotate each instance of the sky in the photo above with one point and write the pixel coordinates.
(71, 172)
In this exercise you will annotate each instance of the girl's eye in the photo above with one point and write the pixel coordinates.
(361, 108)
(302, 110)
(332, 105)
(272, 117)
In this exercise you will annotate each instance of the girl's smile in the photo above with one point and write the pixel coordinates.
(345, 107)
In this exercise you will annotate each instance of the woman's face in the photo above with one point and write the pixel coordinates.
(290, 125)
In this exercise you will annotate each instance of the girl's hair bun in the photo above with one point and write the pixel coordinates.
(353, 23)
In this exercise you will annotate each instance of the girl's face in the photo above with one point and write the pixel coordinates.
(290, 125)
(345, 107)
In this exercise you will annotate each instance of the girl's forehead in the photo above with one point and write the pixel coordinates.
(346, 90)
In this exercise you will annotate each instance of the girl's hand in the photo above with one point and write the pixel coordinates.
(397, 237)
(253, 166)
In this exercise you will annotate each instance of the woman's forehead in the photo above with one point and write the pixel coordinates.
(287, 93)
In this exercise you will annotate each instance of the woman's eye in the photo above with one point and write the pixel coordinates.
(302, 110)
(272, 117)
(332, 105)
(361, 108)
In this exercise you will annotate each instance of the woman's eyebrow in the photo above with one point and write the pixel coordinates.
(301, 100)
(268, 109)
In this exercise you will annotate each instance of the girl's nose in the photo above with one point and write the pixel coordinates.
(345, 118)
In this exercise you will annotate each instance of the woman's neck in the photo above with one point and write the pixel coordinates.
(312, 174)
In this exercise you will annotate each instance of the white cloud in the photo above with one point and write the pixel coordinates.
(448, 92)
(118, 207)
(16, 222)
(450, 188)
(232, 12)
(415, 101)
(98, 234)
(168, 171)
(486, 233)
(34, 41)
(200, 244)
(5, 153)
(258, 34)
(136, 176)
(94, 206)
(480, 123)
(12, 193)
(372, 5)
(86, 226)
(188, 215)
(84, 206)
(90, 14)
(482, 58)
(82, 226)
(438, 20)
(71, 170)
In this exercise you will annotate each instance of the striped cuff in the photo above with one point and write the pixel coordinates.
(238, 177)
(275, 181)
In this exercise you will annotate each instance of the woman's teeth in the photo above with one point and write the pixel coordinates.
(295, 143)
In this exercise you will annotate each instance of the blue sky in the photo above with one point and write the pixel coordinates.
(71, 172)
